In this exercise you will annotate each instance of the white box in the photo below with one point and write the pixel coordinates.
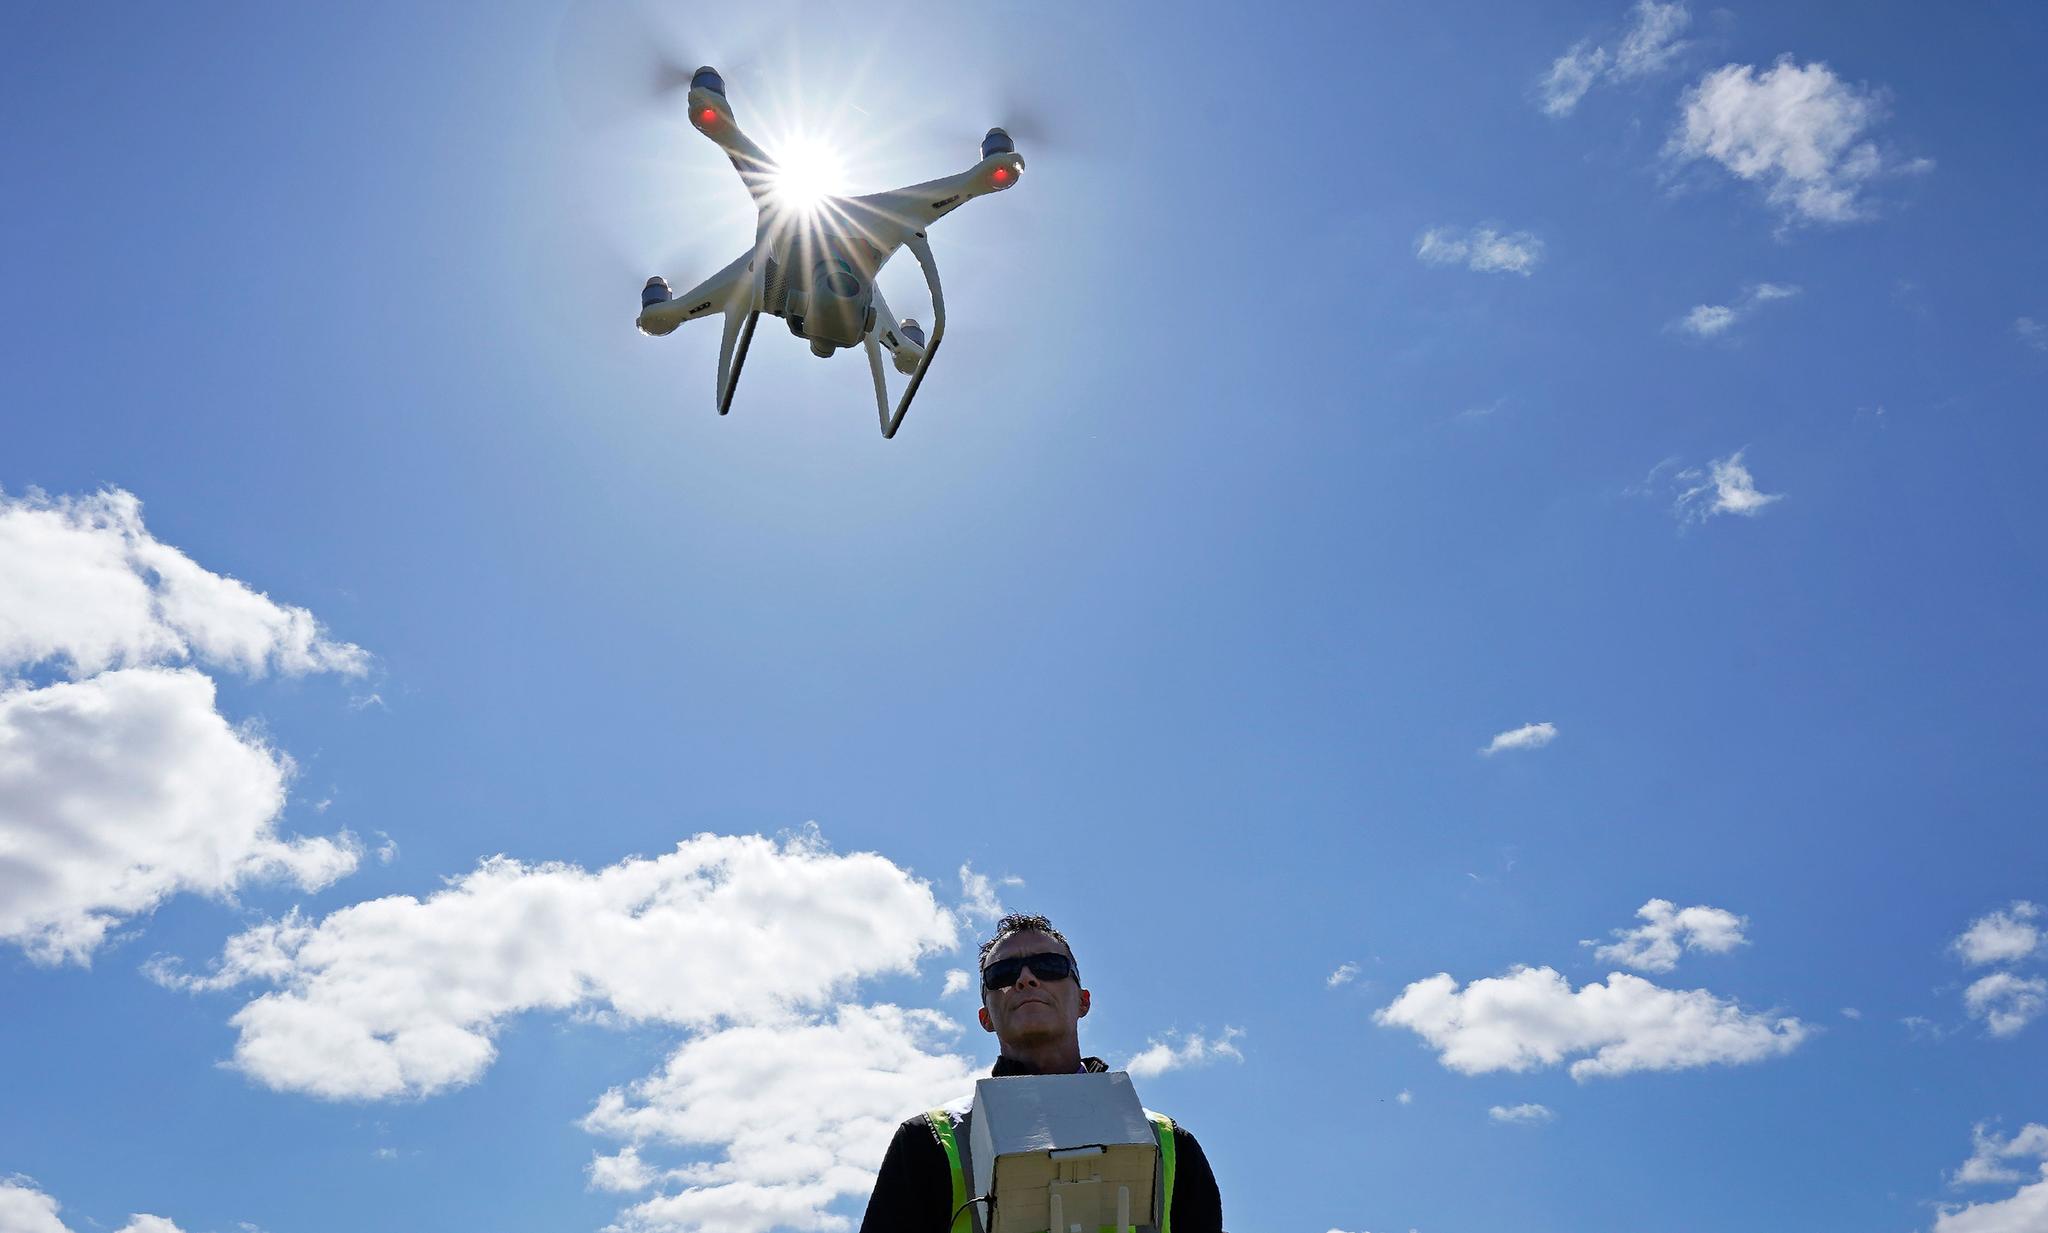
(1071, 1142)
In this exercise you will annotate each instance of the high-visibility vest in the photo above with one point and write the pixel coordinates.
(950, 1129)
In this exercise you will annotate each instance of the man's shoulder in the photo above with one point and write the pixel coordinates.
(956, 1109)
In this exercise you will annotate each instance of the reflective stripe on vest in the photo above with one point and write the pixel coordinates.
(964, 1216)
(941, 1123)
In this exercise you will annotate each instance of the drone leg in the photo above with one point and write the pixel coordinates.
(922, 250)
(881, 385)
(729, 364)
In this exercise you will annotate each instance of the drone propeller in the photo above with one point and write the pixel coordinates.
(617, 61)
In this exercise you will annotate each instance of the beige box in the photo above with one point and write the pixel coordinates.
(1060, 1153)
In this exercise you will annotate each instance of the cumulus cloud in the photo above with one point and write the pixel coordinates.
(1344, 975)
(1990, 1161)
(1481, 248)
(1404, 1096)
(1713, 320)
(402, 996)
(1649, 43)
(1528, 736)
(89, 588)
(1532, 1018)
(1799, 132)
(26, 1209)
(958, 981)
(119, 791)
(1160, 1056)
(2004, 936)
(2023, 1211)
(1725, 487)
(1654, 946)
(1521, 1115)
(797, 1112)
(123, 784)
(2006, 1002)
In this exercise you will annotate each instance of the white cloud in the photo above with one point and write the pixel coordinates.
(26, 1209)
(1344, 975)
(798, 1111)
(958, 981)
(978, 899)
(1725, 488)
(1651, 41)
(1648, 44)
(2005, 1002)
(2023, 1211)
(622, 1172)
(121, 790)
(1570, 76)
(1654, 946)
(1988, 1162)
(2031, 332)
(1713, 320)
(2004, 936)
(1533, 1018)
(1521, 1115)
(1482, 249)
(1404, 1096)
(1797, 131)
(1528, 736)
(1707, 320)
(89, 588)
(402, 996)
(1160, 1056)
(388, 850)
(124, 785)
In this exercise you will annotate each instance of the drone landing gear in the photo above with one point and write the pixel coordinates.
(922, 250)
(729, 377)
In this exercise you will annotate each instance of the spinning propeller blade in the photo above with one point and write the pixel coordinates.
(618, 61)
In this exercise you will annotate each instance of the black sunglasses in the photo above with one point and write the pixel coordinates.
(1049, 966)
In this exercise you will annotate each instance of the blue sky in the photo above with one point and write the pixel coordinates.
(449, 777)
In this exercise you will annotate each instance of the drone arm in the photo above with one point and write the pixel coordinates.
(712, 116)
(701, 300)
(921, 249)
(911, 210)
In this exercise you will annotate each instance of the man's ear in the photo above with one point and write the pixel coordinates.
(987, 1024)
(1084, 1005)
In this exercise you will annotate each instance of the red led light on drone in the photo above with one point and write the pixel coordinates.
(1000, 175)
(708, 116)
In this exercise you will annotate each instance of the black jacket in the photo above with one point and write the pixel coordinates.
(914, 1191)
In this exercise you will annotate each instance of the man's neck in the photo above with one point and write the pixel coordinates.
(1052, 1058)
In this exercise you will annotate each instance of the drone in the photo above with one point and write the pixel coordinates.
(816, 269)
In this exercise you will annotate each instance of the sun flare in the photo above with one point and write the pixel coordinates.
(807, 173)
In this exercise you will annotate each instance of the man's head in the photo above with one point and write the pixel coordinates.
(1036, 1002)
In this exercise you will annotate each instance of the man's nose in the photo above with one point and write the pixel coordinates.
(1027, 978)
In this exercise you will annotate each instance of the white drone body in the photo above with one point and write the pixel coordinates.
(816, 269)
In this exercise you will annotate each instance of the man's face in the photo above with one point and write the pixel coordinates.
(1032, 1011)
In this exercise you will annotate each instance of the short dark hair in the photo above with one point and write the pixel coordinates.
(1019, 922)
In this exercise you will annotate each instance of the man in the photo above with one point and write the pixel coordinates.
(1032, 999)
